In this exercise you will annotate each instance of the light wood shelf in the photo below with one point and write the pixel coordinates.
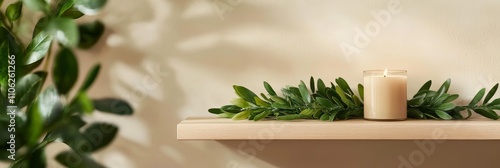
(207, 128)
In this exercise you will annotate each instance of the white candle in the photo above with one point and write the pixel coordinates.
(385, 95)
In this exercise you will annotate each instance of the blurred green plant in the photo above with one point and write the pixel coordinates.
(53, 113)
(340, 102)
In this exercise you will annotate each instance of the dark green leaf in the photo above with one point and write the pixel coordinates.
(490, 94)
(343, 97)
(245, 93)
(38, 48)
(65, 71)
(487, 113)
(14, 11)
(321, 87)
(74, 160)
(90, 33)
(417, 101)
(495, 102)
(38, 5)
(444, 88)
(447, 106)
(325, 102)
(91, 76)
(113, 105)
(27, 88)
(36, 159)
(90, 7)
(72, 13)
(311, 83)
(478, 97)
(231, 109)
(469, 114)
(99, 135)
(242, 115)
(343, 85)
(415, 113)
(289, 117)
(215, 111)
(426, 86)
(66, 31)
(42, 24)
(443, 115)
(361, 90)
(64, 5)
(269, 89)
(304, 92)
(451, 98)
(261, 116)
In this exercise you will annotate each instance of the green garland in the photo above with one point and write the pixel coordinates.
(339, 102)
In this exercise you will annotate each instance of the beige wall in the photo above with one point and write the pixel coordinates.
(174, 59)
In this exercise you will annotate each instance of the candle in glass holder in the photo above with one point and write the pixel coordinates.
(385, 95)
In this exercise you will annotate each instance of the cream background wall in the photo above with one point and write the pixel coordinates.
(174, 59)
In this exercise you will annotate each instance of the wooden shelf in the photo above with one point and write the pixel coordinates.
(206, 128)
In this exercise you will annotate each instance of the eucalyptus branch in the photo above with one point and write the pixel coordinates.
(339, 102)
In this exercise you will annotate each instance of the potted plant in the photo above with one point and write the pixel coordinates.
(41, 103)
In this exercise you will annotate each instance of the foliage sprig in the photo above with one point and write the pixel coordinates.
(339, 102)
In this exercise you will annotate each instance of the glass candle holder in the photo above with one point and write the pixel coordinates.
(385, 94)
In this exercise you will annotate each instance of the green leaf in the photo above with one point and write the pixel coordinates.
(451, 98)
(443, 115)
(27, 88)
(426, 86)
(321, 87)
(38, 5)
(38, 48)
(495, 102)
(361, 90)
(66, 31)
(215, 111)
(242, 115)
(91, 76)
(279, 100)
(478, 97)
(90, 33)
(65, 71)
(417, 101)
(444, 88)
(289, 117)
(261, 102)
(226, 115)
(42, 24)
(90, 7)
(307, 112)
(36, 159)
(490, 94)
(45, 111)
(113, 105)
(342, 95)
(447, 106)
(72, 13)
(261, 116)
(415, 113)
(269, 89)
(325, 102)
(333, 115)
(343, 85)
(99, 135)
(311, 83)
(72, 159)
(325, 117)
(240, 102)
(14, 11)
(304, 92)
(487, 113)
(245, 93)
(84, 102)
(231, 109)
(64, 5)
